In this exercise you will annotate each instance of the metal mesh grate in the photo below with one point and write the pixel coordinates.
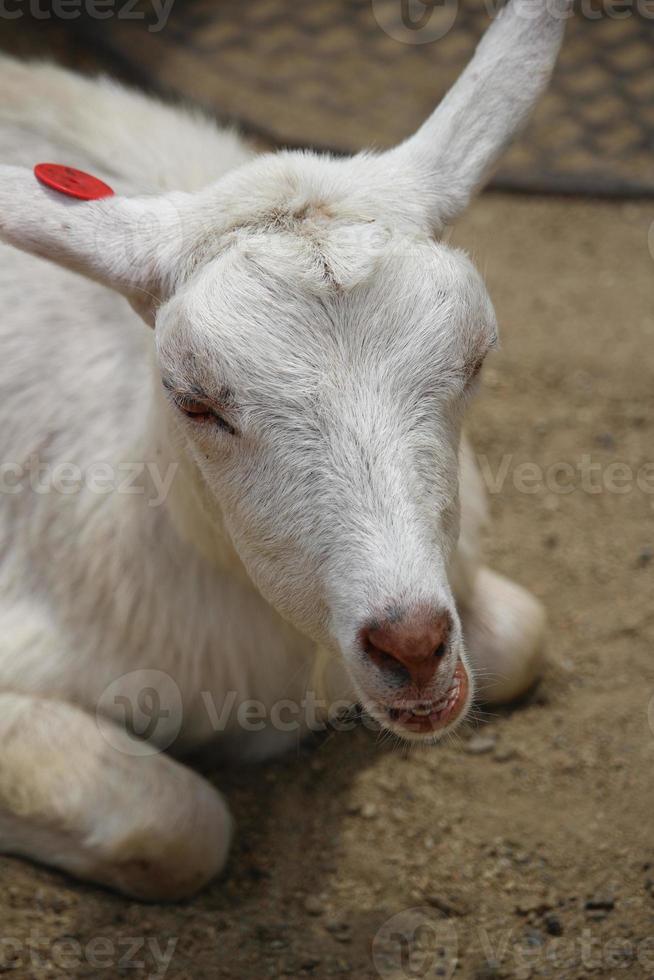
(343, 74)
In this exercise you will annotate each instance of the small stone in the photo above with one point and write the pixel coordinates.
(528, 904)
(564, 762)
(605, 440)
(448, 906)
(310, 962)
(369, 811)
(480, 744)
(257, 872)
(272, 936)
(645, 556)
(599, 906)
(553, 925)
(336, 926)
(313, 905)
(604, 903)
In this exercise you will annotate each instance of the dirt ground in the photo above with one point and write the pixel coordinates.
(525, 847)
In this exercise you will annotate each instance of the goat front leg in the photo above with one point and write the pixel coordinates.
(144, 825)
(503, 624)
(504, 630)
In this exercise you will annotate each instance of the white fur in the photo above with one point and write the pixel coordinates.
(315, 292)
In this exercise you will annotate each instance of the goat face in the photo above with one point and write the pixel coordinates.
(317, 374)
(317, 345)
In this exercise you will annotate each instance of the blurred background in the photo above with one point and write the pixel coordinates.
(525, 847)
(346, 74)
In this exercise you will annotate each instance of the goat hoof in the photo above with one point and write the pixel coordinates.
(152, 867)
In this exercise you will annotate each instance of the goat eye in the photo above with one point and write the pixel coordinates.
(200, 411)
(194, 410)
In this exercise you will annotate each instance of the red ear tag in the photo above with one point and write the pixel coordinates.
(73, 183)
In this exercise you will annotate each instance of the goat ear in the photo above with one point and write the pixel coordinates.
(456, 147)
(128, 244)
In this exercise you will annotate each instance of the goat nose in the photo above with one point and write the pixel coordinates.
(415, 643)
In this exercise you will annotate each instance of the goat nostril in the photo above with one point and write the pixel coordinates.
(385, 661)
(382, 659)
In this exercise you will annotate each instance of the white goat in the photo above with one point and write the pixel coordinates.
(299, 406)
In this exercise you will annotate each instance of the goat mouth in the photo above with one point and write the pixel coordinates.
(429, 717)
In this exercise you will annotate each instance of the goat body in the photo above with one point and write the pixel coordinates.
(265, 499)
